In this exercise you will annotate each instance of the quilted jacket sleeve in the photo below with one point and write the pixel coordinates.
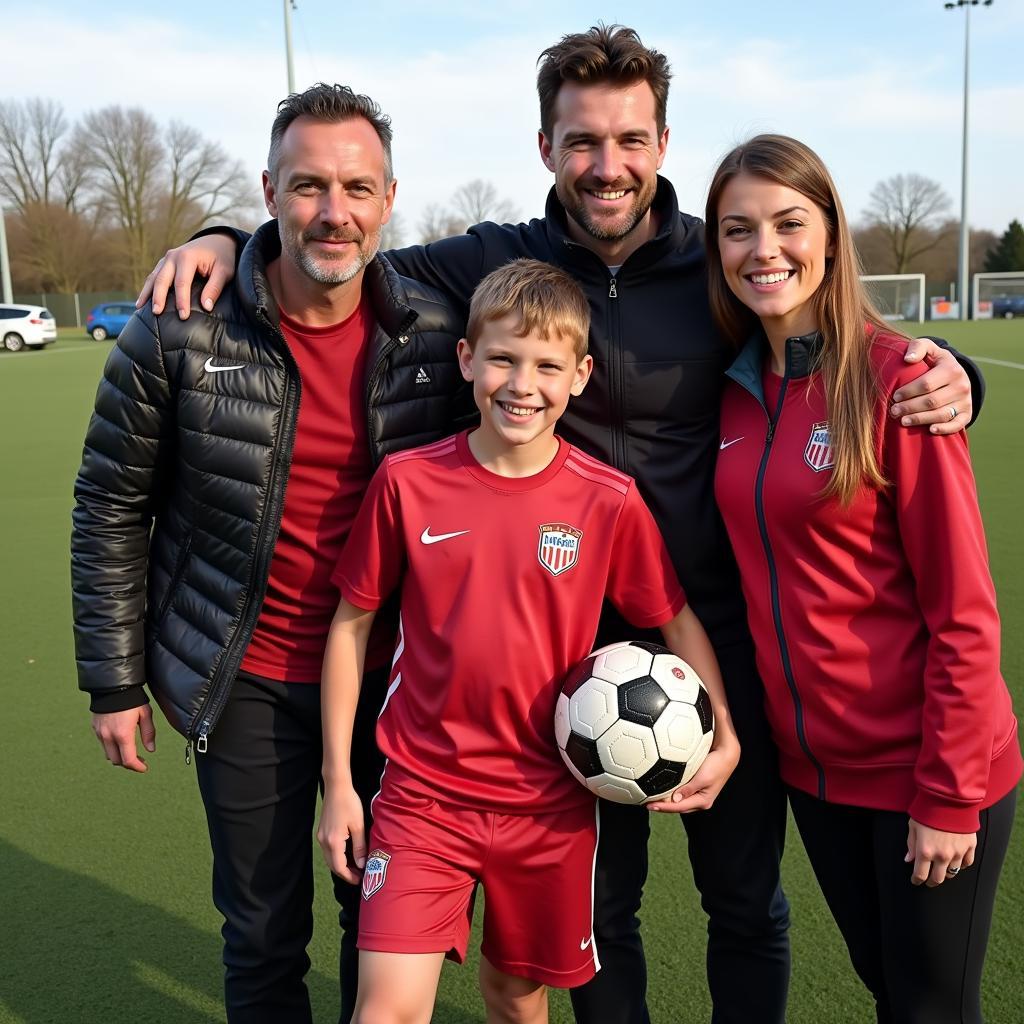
(116, 492)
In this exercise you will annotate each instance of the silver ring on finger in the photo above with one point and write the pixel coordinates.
(953, 412)
(952, 872)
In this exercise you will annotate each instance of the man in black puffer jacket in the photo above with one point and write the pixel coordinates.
(223, 467)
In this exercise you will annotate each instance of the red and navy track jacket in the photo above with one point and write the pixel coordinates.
(875, 624)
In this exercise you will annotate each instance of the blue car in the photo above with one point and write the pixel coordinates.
(108, 319)
(1006, 307)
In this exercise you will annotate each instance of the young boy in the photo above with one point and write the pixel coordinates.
(504, 541)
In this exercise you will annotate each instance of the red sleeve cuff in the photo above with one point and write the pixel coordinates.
(667, 614)
(359, 598)
(931, 810)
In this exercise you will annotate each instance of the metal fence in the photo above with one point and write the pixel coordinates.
(70, 310)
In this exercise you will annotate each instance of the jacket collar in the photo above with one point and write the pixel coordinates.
(381, 285)
(675, 231)
(801, 360)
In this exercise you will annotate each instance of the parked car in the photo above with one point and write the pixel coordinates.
(1006, 307)
(107, 320)
(26, 327)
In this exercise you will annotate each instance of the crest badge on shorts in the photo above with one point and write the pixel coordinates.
(559, 547)
(375, 872)
(818, 453)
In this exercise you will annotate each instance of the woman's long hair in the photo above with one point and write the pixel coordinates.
(843, 312)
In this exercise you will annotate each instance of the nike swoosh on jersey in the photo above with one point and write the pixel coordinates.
(427, 538)
(728, 444)
(586, 942)
(209, 367)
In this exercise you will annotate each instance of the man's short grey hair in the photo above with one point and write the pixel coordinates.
(331, 104)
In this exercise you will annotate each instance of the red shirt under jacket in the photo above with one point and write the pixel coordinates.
(502, 584)
(330, 471)
(876, 626)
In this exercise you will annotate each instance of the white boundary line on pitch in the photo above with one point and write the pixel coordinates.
(9, 356)
(997, 362)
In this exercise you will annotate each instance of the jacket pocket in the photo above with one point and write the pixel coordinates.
(179, 570)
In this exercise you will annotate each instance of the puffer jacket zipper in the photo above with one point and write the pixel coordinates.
(205, 719)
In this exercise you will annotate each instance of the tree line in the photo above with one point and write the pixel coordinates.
(91, 205)
(907, 229)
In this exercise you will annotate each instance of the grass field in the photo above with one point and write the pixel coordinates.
(104, 876)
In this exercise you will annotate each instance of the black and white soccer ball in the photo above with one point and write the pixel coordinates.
(633, 722)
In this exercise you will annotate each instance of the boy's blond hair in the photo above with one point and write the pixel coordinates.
(544, 299)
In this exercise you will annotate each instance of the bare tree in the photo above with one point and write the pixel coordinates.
(478, 201)
(52, 248)
(33, 147)
(115, 188)
(124, 151)
(392, 235)
(906, 209)
(439, 222)
(204, 184)
(42, 180)
(472, 203)
(157, 187)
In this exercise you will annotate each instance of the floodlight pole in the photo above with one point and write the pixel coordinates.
(288, 5)
(965, 232)
(5, 262)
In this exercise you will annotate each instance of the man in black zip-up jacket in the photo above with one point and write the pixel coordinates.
(651, 410)
(186, 498)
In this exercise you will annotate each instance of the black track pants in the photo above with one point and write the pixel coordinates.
(920, 951)
(259, 780)
(735, 850)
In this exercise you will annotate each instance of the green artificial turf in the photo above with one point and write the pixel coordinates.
(104, 876)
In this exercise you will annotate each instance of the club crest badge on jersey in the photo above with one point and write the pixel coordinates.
(375, 872)
(818, 453)
(559, 547)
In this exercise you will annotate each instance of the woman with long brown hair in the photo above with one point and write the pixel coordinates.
(869, 596)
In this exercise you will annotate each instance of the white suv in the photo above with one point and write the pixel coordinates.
(22, 326)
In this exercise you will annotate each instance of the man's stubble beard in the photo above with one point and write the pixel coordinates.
(321, 269)
(575, 208)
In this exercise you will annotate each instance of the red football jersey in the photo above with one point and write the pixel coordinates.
(502, 584)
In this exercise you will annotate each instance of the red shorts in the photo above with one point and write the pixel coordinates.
(427, 857)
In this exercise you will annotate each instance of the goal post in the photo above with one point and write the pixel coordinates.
(998, 296)
(897, 296)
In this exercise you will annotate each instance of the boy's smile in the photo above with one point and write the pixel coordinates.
(521, 385)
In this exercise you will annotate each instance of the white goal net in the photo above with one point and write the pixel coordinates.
(998, 296)
(897, 296)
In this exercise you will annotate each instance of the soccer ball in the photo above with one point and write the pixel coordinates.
(633, 722)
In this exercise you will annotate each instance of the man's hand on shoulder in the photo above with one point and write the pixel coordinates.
(212, 257)
(940, 398)
(116, 733)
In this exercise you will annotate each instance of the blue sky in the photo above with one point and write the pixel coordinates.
(874, 86)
